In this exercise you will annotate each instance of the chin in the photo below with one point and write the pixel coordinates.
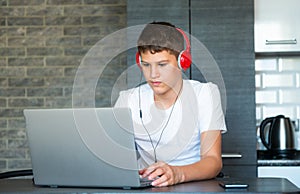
(158, 91)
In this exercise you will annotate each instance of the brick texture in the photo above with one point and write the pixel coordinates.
(42, 43)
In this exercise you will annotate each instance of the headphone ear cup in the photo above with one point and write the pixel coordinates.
(184, 60)
(138, 59)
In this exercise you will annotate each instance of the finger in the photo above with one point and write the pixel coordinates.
(162, 181)
(151, 170)
(141, 171)
(163, 184)
(158, 172)
(147, 171)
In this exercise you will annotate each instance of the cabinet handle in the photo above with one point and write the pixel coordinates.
(231, 155)
(292, 41)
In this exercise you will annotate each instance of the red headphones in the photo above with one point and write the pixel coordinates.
(184, 57)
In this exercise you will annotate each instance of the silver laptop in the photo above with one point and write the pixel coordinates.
(89, 147)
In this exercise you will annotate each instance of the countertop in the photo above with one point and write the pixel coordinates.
(265, 158)
(256, 185)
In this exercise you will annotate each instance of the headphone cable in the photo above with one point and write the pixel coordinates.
(141, 117)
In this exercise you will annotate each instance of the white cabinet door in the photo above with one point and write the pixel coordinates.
(277, 25)
(292, 173)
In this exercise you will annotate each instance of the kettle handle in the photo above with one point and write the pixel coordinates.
(262, 131)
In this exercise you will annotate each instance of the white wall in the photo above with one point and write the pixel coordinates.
(277, 87)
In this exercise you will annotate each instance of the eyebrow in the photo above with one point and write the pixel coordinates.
(162, 61)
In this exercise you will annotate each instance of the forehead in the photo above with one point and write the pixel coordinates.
(157, 57)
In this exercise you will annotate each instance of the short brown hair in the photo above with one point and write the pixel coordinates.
(159, 36)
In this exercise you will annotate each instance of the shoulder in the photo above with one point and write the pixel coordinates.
(135, 91)
(200, 87)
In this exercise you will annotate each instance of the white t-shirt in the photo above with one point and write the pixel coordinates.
(174, 132)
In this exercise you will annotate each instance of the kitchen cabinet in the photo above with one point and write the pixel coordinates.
(277, 26)
(224, 31)
(283, 166)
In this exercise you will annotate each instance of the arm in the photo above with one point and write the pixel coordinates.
(208, 167)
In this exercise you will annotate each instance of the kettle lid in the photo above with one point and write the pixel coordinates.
(280, 117)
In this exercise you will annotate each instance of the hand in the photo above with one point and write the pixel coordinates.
(162, 174)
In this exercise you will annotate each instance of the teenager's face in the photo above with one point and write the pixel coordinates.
(161, 72)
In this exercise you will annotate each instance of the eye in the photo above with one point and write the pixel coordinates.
(162, 64)
(145, 64)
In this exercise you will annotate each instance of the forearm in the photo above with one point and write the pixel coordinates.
(206, 168)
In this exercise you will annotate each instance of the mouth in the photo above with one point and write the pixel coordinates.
(155, 83)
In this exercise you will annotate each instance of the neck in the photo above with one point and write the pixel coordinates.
(165, 101)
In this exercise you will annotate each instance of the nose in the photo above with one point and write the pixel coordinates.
(154, 71)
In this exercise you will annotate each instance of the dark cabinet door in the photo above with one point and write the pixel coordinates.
(145, 11)
(225, 28)
(221, 33)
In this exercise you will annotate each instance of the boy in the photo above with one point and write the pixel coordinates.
(177, 123)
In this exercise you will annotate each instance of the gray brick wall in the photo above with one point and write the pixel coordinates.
(42, 42)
